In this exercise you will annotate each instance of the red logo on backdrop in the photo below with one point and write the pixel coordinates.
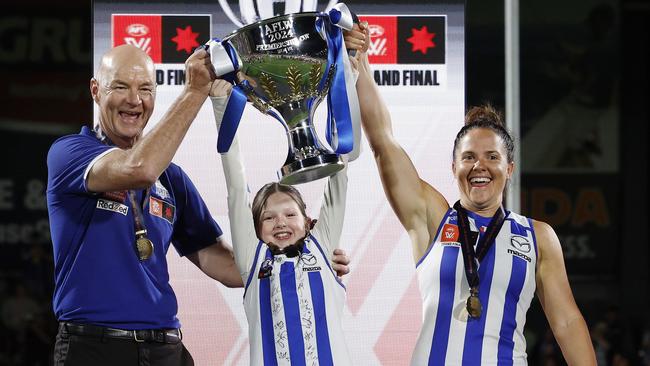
(142, 31)
(383, 39)
(406, 39)
(421, 40)
(166, 38)
(137, 30)
(186, 39)
(449, 233)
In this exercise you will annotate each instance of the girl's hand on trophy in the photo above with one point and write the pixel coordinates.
(220, 88)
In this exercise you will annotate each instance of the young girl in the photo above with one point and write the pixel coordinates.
(293, 299)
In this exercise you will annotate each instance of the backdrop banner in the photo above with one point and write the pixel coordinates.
(417, 53)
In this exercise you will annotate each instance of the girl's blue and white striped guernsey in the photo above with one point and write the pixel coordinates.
(507, 285)
(291, 321)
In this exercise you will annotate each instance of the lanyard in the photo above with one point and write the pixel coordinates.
(471, 258)
(143, 245)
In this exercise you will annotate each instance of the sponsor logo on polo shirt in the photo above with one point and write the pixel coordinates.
(162, 209)
(112, 206)
(161, 190)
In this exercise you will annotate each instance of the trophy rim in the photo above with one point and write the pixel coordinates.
(258, 23)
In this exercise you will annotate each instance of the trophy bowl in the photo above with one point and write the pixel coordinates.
(285, 62)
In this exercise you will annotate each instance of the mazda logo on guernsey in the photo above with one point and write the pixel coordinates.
(137, 30)
(308, 259)
(520, 243)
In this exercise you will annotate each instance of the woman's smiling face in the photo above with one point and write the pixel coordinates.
(482, 169)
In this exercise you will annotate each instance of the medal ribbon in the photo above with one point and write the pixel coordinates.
(138, 217)
(470, 257)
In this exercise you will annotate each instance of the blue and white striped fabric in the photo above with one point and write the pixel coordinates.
(507, 286)
(291, 320)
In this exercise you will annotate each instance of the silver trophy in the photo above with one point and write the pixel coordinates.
(285, 63)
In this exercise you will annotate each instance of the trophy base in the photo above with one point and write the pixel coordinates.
(306, 170)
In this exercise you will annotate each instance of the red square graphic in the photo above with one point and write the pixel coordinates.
(142, 31)
(383, 38)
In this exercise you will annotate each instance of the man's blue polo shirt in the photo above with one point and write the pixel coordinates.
(98, 276)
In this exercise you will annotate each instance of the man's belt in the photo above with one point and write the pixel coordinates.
(172, 336)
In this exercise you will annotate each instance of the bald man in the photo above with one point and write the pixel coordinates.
(115, 203)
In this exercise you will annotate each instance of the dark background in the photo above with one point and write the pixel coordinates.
(580, 60)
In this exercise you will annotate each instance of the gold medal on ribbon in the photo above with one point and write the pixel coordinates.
(144, 246)
(474, 307)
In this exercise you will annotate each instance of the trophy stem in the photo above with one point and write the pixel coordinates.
(308, 159)
(303, 142)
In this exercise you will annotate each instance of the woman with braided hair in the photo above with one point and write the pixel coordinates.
(478, 265)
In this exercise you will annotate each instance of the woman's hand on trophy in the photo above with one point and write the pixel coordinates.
(358, 38)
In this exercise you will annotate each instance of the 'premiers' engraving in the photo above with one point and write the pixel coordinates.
(275, 46)
(112, 206)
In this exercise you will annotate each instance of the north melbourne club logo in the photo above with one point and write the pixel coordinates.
(166, 38)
